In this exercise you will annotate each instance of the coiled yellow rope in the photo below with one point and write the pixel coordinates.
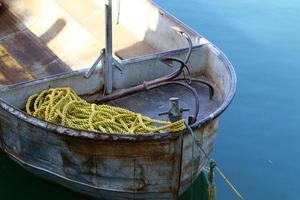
(63, 106)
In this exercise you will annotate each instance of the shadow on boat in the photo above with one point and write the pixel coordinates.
(23, 55)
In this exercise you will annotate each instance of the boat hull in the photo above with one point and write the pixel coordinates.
(110, 169)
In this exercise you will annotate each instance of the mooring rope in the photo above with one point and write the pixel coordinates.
(213, 165)
(63, 106)
(237, 193)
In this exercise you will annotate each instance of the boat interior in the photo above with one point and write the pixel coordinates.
(51, 43)
(45, 37)
(148, 102)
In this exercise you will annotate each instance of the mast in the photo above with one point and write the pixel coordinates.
(108, 60)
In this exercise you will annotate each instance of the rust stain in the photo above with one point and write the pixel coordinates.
(120, 148)
(147, 157)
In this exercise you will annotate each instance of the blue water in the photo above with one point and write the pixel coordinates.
(258, 142)
(258, 146)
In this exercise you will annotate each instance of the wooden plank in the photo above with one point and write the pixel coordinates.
(11, 71)
(23, 56)
(8, 24)
(32, 53)
(135, 50)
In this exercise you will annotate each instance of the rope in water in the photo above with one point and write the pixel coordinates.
(235, 191)
(63, 106)
(213, 165)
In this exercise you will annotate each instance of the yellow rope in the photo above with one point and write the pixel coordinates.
(63, 106)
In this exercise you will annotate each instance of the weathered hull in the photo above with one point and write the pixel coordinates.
(107, 169)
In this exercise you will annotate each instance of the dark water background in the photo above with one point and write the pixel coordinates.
(258, 142)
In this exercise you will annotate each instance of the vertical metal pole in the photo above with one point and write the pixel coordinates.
(108, 74)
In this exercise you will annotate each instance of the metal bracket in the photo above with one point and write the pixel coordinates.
(92, 69)
(116, 63)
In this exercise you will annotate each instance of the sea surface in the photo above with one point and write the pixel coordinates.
(258, 143)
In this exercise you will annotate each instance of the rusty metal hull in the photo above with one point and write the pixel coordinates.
(110, 166)
(108, 169)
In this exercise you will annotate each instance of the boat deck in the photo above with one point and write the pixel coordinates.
(41, 38)
(152, 102)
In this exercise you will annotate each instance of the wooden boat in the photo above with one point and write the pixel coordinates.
(46, 43)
